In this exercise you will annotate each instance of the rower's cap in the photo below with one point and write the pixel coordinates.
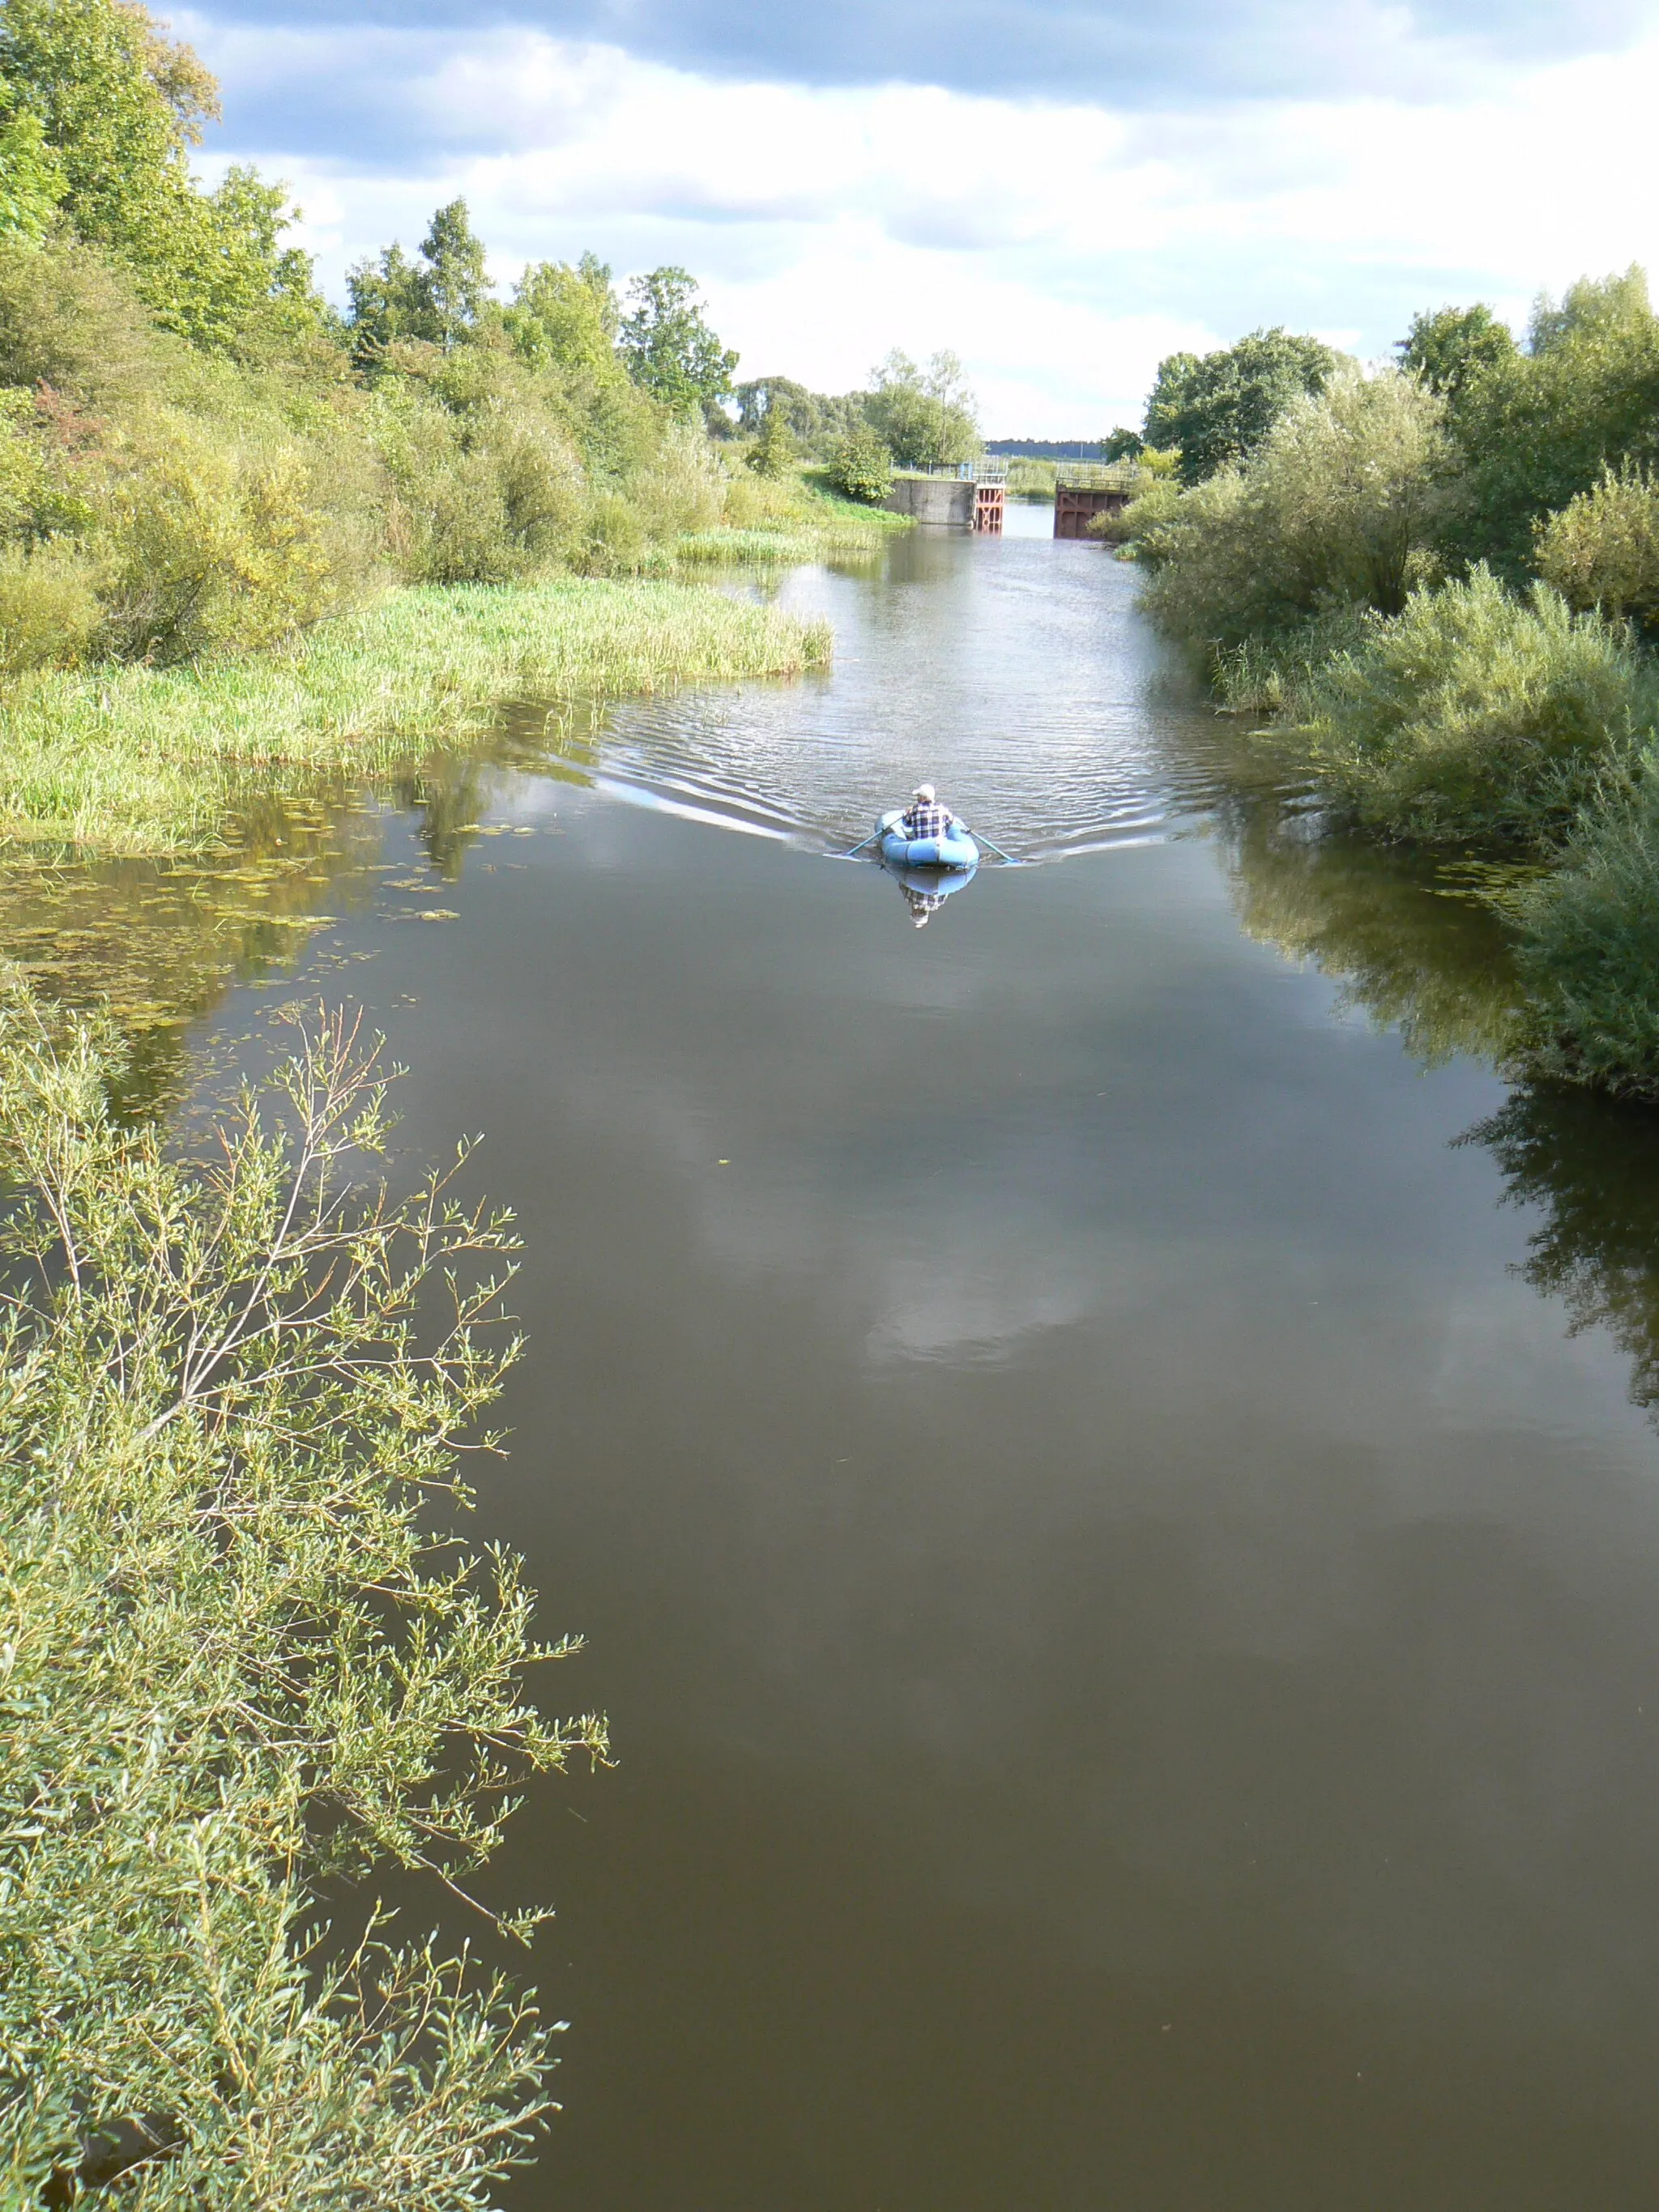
(924, 792)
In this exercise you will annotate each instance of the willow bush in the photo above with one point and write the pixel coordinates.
(1602, 550)
(238, 1659)
(1589, 949)
(1339, 506)
(1474, 715)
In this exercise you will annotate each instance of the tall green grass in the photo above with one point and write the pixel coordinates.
(768, 549)
(140, 759)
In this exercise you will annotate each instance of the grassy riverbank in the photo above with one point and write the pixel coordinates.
(144, 760)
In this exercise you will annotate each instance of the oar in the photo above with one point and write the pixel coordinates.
(860, 847)
(980, 838)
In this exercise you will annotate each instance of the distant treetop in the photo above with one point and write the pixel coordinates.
(1216, 410)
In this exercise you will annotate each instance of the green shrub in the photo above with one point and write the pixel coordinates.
(484, 490)
(861, 468)
(211, 549)
(1140, 522)
(1602, 548)
(683, 486)
(50, 611)
(1589, 942)
(1475, 714)
(1341, 506)
(615, 541)
(759, 502)
(241, 1665)
(776, 451)
(1278, 679)
(70, 320)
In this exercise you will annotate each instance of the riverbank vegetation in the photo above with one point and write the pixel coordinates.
(242, 1662)
(1435, 585)
(147, 759)
(214, 488)
(250, 548)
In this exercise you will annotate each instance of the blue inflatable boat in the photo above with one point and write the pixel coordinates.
(956, 849)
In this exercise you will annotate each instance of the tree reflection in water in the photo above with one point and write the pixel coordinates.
(158, 943)
(1405, 944)
(1591, 1166)
(1408, 948)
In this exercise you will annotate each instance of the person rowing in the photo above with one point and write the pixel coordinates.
(924, 816)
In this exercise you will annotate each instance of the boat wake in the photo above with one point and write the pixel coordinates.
(969, 677)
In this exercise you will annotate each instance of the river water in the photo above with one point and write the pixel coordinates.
(1102, 1454)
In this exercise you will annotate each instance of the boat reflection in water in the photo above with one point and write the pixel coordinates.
(925, 889)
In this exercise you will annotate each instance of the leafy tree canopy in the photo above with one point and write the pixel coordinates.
(1593, 306)
(1218, 409)
(32, 182)
(670, 350)
(566, 318)
(925, 417)
(456, 278)
(819, 420)
(1123, 444)
(1539, 428)
(1450, 347)
(767, 395)
(1173, 373)
(117, 105)
(438, 299)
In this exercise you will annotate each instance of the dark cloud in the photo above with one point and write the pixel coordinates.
(1124, 53)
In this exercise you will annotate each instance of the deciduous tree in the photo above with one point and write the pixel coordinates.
(926, 417)
(1218, 409)
(671, 351)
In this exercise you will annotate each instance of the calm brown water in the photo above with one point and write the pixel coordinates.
(1129, 1616)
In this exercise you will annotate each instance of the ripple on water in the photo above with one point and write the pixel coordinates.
(975, 683)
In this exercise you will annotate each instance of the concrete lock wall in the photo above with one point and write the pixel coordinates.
(941, 502)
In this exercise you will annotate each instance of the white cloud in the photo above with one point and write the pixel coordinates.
(1061, 249)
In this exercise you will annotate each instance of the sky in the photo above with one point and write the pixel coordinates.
(1060, 191)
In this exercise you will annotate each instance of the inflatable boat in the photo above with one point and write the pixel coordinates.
(956, 849)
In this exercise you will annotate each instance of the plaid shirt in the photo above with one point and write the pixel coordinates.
(925, 819)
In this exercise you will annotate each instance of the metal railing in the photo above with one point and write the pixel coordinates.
(987, 468)
(1096, 475)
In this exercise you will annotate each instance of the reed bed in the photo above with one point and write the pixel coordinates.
(750, 548)
(818, 527)
(141, 760)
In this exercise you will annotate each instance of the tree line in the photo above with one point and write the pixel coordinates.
(198, 453)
